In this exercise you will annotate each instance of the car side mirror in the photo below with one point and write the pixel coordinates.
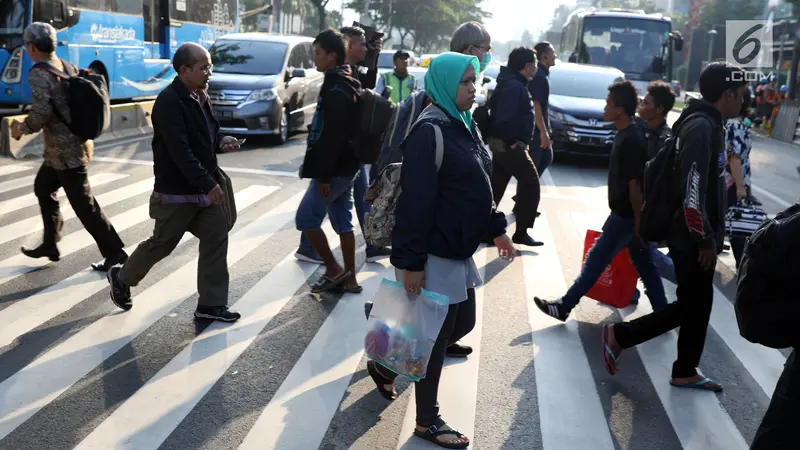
(487, 80)
(298, 73)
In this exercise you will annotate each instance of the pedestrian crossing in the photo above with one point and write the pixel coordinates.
(77, 373)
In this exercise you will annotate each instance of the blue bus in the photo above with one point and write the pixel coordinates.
(129, 42)
(641, 45)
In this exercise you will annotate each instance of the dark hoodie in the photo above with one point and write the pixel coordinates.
(654, 136)
(701, 183)
(511, 109)
(330, 153)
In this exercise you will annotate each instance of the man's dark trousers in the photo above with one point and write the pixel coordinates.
(79, 193)
(508, 162)
(173, 220)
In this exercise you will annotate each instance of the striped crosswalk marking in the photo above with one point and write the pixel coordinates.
(324, 386)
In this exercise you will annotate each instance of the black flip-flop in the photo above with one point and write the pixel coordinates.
(327, 283)
(434, 431)
(380, 380)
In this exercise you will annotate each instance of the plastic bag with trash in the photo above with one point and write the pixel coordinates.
(403, 327)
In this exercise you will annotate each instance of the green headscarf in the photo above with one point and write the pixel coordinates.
(443, 79)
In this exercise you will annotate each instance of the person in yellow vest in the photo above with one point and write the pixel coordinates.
(401, 82)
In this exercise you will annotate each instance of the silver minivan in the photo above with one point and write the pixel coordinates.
(264, 84)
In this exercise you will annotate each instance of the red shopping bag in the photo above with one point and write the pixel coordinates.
(617, 284)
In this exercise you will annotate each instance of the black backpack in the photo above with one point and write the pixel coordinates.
(661, 199)
(373, 116)
(87, 97)
(767, 301)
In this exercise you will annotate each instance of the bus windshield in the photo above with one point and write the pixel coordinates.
(12, 17)
(239, 57)
(637, 47)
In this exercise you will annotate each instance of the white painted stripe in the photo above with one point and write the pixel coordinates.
(17, 183)
(146, 419)
(25, 227)
(698, 418)
(458, 386)
(571, 414)
(42, 381)
(313, 390)
(14, 168)
(144, 162)
(24, 201)
(772, 196)
(119, 143)
(30, 313)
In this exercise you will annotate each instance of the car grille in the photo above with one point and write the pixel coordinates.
(225, 97)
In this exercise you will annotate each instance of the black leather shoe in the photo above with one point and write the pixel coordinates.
(459, 351)
(524, 239)
(108, 263)
(42, 252)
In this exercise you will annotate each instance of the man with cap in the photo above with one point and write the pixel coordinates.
(401, 84)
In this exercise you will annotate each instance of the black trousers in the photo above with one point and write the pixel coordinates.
(507, 162)
(459, 322)
(691, 313)
(777, 429)
(79, 193)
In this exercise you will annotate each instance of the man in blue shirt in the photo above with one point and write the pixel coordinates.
(541, 148)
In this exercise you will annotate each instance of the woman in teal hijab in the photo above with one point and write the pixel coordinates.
(448, 82)
(442, 214)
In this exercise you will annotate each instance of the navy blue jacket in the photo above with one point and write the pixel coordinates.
(512, 109)
(449, 212)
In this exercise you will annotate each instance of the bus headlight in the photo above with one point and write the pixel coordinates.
(263, 95)
(12, 73)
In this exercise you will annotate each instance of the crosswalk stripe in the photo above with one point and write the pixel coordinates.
(25, 315)
(458, 385)
(11, 169)
(17, 183)
(697, 417)
(27, 200)
(25, 227)
(146, 419)
(42, 381)
(569, 406)
(301, 410)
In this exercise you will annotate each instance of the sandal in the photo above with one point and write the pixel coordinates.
(380, 381)
(433, 432)
(700, 385)
(327, 283)
(340, 289)
(609, 358)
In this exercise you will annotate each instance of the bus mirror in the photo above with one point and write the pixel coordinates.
(677, 40)
(298, 73)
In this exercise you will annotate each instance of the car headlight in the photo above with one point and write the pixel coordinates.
(263, 95)
(555, 115)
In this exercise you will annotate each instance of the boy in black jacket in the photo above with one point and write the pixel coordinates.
(331, 164)
(697, 233)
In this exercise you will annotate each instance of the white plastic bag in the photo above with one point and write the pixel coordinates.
(403, 327)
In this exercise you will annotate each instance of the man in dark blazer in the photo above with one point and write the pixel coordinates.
(187, 196)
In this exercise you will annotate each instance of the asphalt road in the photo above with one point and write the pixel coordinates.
(77, 373)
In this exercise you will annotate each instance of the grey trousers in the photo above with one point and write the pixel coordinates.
(209, 225)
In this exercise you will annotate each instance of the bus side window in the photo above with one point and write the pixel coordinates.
(133, 7)
(94, 5)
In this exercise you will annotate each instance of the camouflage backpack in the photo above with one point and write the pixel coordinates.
(383, 194)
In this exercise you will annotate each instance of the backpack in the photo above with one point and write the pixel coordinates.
(383, 195)
(87, 98)
(767, 300)
(373, 115)
(404, 117)
(661, 199)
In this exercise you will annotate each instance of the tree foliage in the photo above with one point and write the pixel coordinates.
(716, 12)
(426, 25)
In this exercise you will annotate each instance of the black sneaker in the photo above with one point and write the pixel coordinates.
(308, 255)
(377, 254)
(220, 313)
(553, 309)
(120, 293)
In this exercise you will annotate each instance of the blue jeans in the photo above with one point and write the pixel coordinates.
(339, 206)
(617, 235)
(362, 208)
